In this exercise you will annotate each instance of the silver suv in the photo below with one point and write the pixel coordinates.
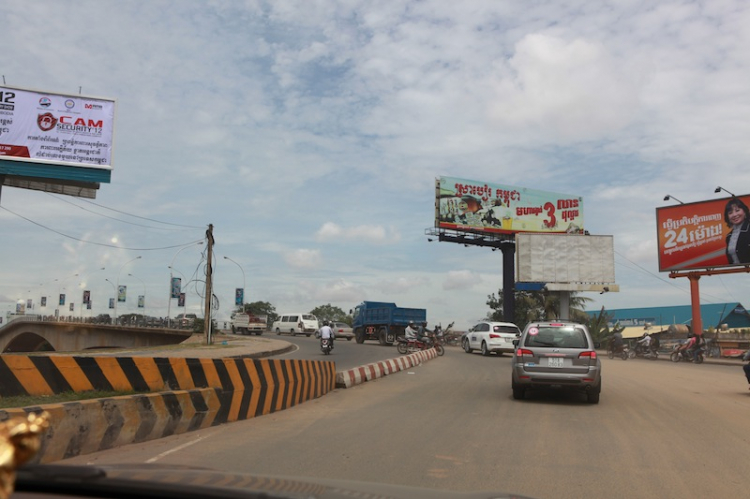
(556, 355)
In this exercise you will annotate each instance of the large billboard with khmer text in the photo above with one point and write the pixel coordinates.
(68, 130)
(703, 235)
(470, 205)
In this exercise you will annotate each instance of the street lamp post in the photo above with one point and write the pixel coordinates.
(243, 279)
(169, 302)
(117, 289)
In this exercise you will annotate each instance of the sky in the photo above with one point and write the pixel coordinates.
(310, 134)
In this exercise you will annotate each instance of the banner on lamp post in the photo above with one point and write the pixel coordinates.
(62, 299)
(181, 300)
(141, 301)
(176, 286)
(122, 293)
(111, 303)
(239, 296)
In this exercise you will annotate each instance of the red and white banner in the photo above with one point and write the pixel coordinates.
(68, 130)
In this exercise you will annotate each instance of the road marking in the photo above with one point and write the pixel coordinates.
(178, 448)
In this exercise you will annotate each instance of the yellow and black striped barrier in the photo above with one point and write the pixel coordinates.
(185, 395)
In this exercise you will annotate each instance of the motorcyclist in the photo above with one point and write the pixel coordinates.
(411, 332)
(690, 346)
(645, 342)
(616, 343)
(326, 333)
(423, 335)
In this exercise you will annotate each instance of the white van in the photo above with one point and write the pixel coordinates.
(296, 324)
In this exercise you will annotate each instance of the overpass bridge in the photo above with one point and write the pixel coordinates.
(33, 335)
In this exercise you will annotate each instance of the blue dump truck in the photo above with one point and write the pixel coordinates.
(383, 321)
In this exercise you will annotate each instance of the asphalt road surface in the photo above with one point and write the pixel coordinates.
(346, 354)
(661, 430)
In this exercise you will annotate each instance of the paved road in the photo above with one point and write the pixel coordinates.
(661, 430)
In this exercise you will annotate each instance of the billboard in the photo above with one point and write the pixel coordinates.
(565, 258)
(68, 130)
(705, 234)
(469, 205)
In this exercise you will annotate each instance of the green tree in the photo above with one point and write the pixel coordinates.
(533, 306)
(331, 313)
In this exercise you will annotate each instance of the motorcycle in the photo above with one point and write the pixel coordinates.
(644, 352)
(695, 356)
(404, 345)
(622, 352)
(325, 346)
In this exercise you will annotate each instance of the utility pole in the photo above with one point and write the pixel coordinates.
(209, 284)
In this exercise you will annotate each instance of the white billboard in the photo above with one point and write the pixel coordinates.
(68, 130)
(565, 258)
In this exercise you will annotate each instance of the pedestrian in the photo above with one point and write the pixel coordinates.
(746, 367)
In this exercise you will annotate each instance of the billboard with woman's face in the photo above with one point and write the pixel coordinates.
(703, 235)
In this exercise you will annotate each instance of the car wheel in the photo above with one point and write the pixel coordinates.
(485, 350)
(359, 334)
(593, 395)
(519, 392)
(348, 338)
(466, 346)
(278, 331)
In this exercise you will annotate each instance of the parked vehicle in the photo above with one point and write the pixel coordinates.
(295, 324)
(678, 355)
(342, 330)
(491, 337)
(383, 321)
(247, 323)
(557, 355)
(325, 346)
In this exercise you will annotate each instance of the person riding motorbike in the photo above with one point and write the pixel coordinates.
(411, 331)
(616, 343)
(326, 333)
(645, 343)
(423, 334)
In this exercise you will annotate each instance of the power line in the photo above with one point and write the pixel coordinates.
(119, 219)
(137, 216)
(92, 242)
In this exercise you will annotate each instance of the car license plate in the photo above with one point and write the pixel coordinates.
(554, 361)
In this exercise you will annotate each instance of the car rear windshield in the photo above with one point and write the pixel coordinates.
(308, 317)
(557, 337)
(505, 329)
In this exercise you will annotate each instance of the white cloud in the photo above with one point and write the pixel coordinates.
(461, 279)
(304, 258)
(375, 234)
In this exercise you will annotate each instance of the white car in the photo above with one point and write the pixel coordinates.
(489, 337)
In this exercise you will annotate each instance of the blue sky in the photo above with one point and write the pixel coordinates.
(310, 134)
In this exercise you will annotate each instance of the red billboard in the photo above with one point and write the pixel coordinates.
(703, 235)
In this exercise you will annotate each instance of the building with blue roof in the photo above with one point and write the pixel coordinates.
(734, 315)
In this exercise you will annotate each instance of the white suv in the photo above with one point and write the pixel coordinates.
(489, 337)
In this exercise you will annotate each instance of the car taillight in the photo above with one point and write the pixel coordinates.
(524, 351)
(493, 335)
(590, 353)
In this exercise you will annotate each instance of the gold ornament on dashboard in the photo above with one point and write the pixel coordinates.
(20, 439)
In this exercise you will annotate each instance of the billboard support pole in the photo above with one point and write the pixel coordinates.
(509, 282)
(695, 297)
(695, 302)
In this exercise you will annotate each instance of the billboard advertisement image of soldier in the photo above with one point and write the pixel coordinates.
(473, 206)
(176, 287)
(88, 305)
(705, 234)
(122, 293)
(181, 300)
(239, 296)
(29, 304)
(62, 299)
(111, 303)
(44, 301)
(86, 296)
(141, 301)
